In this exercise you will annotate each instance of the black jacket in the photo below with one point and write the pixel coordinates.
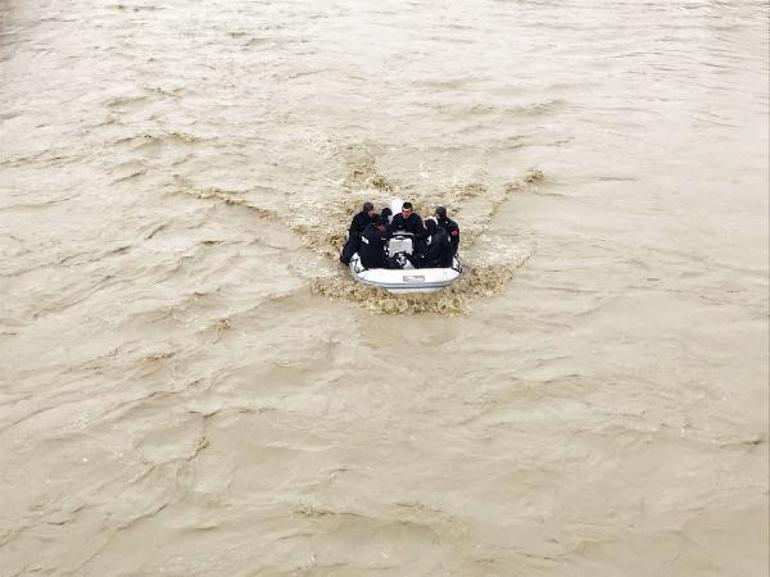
(359, 223)
(453, 230)
(412, 224)
(372, 248)
(439, 254)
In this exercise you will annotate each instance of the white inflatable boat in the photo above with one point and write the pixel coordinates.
(406, 279)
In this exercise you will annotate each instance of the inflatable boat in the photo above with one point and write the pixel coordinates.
(404, 277)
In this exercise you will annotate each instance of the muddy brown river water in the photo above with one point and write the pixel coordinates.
(191, 385)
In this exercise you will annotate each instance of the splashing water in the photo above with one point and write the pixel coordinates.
(473, 204)
(322, 227)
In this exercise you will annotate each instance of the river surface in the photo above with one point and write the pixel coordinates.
(191, 385)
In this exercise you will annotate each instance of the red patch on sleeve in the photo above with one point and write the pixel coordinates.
(455, 233)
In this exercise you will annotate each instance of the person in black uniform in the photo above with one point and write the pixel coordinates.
(372, 247)
(386, 214)
(409, 221)
(357, 226)
(450, 226)
(439, 251)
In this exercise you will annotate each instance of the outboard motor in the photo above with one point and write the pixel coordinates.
(400, 243)
(400, 249)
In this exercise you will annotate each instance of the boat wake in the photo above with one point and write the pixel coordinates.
(321, 224)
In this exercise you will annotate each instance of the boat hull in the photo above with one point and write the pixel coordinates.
(403, 281)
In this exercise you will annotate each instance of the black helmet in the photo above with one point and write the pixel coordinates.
(440, 212)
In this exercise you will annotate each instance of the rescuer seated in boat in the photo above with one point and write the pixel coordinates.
(358, 224)
(387, 214)
(439, 253)
(372, 246)
(409, 221)
(450, 226)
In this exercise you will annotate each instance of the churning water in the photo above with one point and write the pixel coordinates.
(191, 384)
